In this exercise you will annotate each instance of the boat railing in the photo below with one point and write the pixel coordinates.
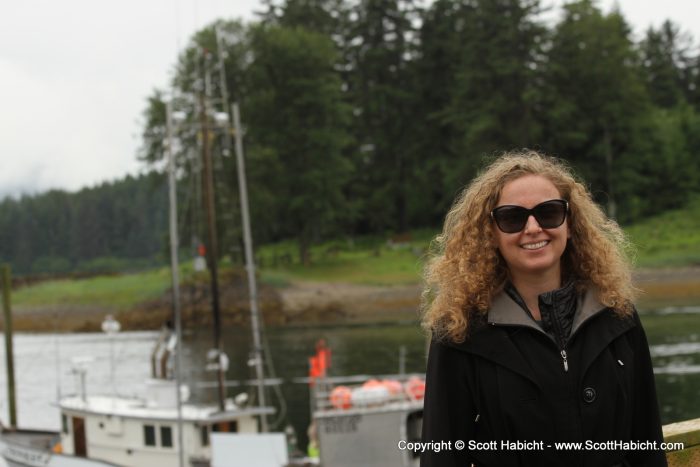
(365, 391)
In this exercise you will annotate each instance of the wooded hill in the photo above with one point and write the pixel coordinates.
(115, 226)
(366, 117)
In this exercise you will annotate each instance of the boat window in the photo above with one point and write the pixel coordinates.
(230, 426)
(64, 423)
(204, 433)
(166, 436)
(149, 435)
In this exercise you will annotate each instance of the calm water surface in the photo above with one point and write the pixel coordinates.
(43, 363)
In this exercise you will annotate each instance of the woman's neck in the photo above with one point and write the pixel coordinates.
(531, 287)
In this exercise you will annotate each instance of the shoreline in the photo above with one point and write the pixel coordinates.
(314, 303)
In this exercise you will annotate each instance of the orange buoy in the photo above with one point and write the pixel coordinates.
(415, 388)
(372, 383)
(341, 397)
(393, 386)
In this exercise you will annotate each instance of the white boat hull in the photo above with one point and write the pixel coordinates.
(26, 448)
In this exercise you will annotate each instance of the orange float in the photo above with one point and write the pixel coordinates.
(415, 388)
(393, 386)
(341, 397)
(372, 383)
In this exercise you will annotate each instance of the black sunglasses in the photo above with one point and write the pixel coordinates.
(549, 214)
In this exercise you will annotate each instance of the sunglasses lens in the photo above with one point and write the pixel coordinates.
(510, 219)
(550, 214)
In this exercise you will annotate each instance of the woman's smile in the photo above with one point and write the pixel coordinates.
(535, 246)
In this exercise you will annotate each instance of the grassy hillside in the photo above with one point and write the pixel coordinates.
(117, 292)
(371, 260)
(669, 240)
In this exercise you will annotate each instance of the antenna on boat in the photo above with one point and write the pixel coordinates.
(111, 326)
(174, 268)
(232, 111)
(79, 369)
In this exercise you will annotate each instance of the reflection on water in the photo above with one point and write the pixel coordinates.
(669, 350)
(42, 360)
(677, 369)
(674, 340)
(674, 310)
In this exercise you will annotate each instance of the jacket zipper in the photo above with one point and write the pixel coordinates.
(559, 337)
(562, 352)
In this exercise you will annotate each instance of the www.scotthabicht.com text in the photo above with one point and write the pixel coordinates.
(505, 445)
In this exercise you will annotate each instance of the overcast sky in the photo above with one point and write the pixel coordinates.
(75, 75)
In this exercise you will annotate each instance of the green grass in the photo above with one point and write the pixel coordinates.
(367, 260)
(670, 239)
(383, 267)
(118, 292)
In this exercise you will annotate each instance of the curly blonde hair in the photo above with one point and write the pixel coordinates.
(465, 270)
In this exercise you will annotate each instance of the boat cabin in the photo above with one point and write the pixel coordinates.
(144, 432)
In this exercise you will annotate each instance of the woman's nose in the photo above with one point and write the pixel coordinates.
(532, 226)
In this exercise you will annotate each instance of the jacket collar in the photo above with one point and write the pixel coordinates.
(490, 342)
(505, 311)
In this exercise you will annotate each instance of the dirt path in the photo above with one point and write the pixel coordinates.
(353, 302)
(377, 303)
(661, 275)
(668, 286)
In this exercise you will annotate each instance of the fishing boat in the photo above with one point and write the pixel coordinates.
(161, 428)
(107, 430)
(361, 419)
(368, 421)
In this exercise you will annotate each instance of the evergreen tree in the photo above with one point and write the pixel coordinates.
(437, 135)
(666, 64)
(495, 95)
(297, 129)
(596, 103)
(381, 89)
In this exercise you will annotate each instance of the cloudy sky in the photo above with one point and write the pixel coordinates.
(75, 74)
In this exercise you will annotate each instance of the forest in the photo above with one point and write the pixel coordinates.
(366, 117)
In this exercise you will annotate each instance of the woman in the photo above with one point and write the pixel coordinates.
(535, 340)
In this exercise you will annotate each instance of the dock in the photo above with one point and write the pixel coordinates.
(688, 433)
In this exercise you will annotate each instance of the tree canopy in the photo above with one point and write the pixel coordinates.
(368, 116)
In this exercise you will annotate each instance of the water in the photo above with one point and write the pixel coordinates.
(43, 363)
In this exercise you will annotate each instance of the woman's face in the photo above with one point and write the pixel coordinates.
(534, 251)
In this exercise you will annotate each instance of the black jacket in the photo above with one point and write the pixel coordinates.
(512, 381)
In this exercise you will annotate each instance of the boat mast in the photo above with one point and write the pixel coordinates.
(9, 353)
(250, 264)
(232, 110)
(174, 268)
(212, 250)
